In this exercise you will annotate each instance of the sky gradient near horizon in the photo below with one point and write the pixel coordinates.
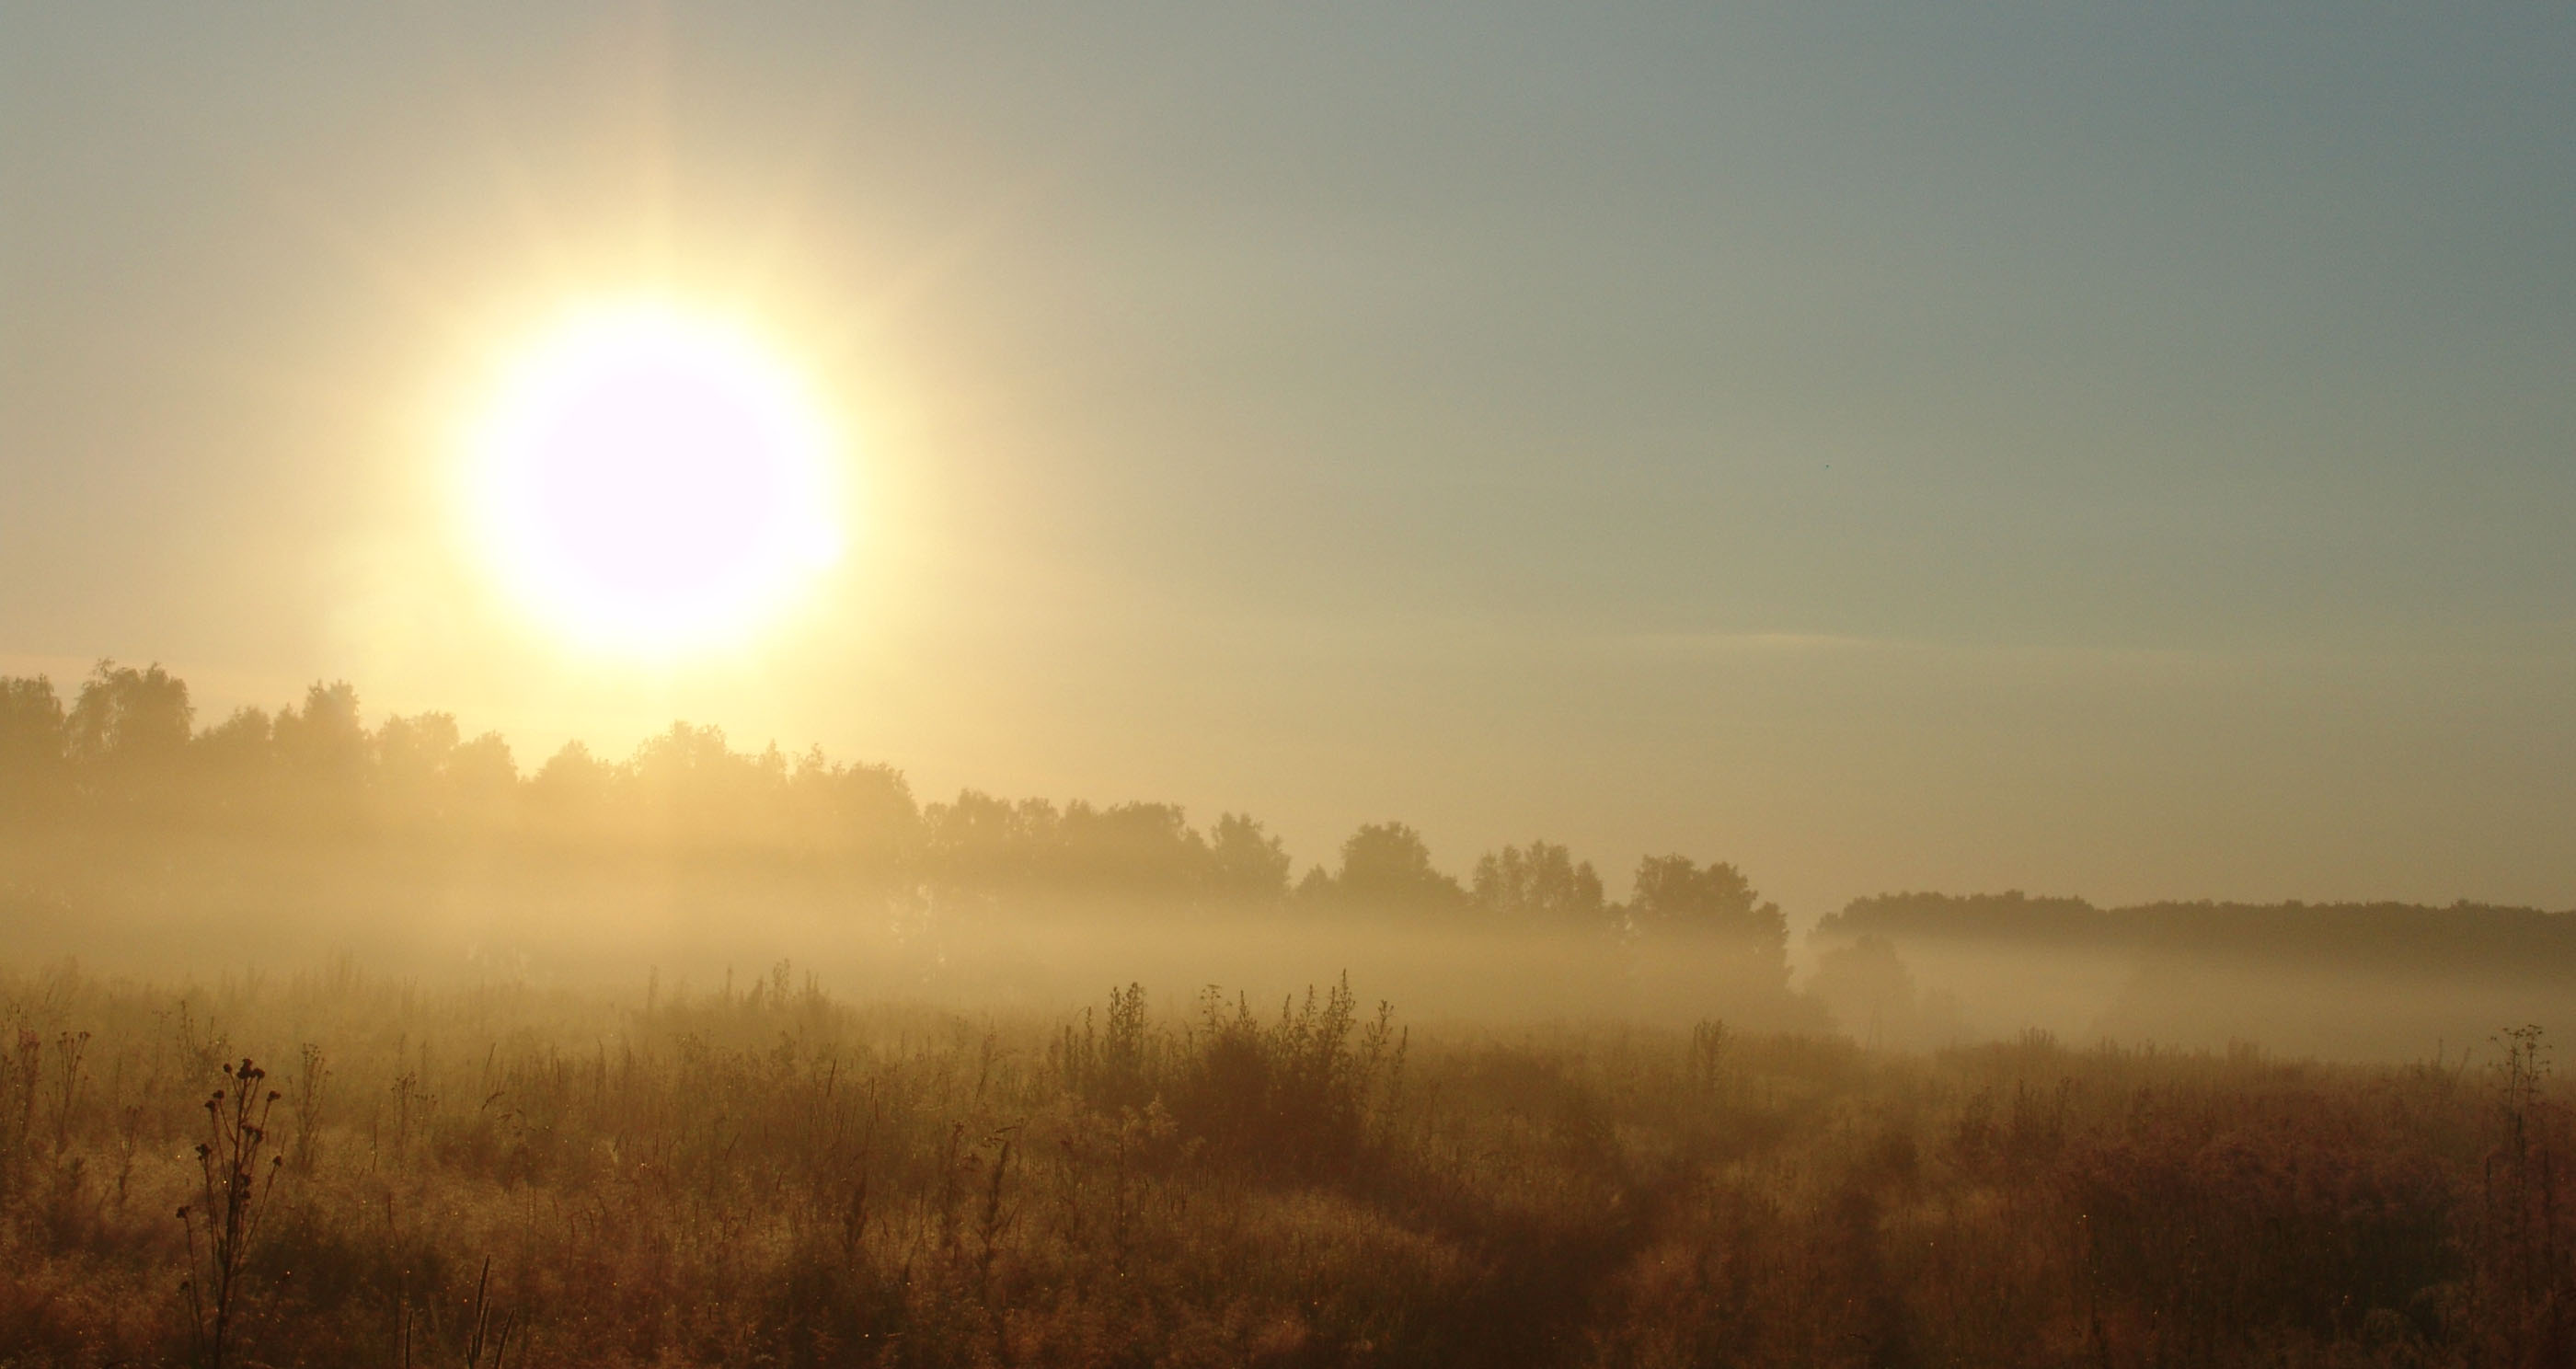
(2124, 452)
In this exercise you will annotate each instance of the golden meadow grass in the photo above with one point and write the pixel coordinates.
(769, 1175)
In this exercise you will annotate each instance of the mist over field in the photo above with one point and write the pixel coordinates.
(142, 843)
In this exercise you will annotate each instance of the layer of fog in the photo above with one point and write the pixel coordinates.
(205, 912)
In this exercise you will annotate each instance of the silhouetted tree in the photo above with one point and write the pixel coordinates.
(127, 717)
(1540, 885)
(323, 747)
(424, 774)
(698, 792)
(1245, 863)
(1676, 895)
(32, 760)
(979, 841)
(482, 776)
(411, 757)
(240, 745)
(569, 795)
(1711, 913)
(1386, 865)
(1138, 848)
(127, 735)
(235, 768)
(861, 810)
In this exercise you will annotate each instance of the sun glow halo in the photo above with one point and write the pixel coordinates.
(651, 482)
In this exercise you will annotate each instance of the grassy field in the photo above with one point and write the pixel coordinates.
(765, 1175)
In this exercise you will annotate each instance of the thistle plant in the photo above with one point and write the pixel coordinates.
(235, 1195)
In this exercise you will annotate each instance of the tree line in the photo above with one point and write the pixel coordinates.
(125, 754)
(2459, 938)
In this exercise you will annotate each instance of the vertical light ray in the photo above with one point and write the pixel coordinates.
(657, 191)
(540, 231)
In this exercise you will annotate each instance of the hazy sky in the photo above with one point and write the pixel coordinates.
(2122, 450)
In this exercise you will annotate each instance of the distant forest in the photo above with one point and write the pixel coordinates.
(2412, 939)
(125, 755)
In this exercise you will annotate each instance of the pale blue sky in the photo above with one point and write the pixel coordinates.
(2115, 450)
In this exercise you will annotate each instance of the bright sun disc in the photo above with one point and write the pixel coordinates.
(651, 482)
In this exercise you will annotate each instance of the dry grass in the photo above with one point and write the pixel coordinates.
(508, 1176)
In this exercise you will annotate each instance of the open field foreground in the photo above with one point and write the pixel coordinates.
(505, 1175)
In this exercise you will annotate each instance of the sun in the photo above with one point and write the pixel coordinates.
(649, 481)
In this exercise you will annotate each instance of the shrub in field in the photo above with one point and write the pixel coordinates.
(1301, 1094)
